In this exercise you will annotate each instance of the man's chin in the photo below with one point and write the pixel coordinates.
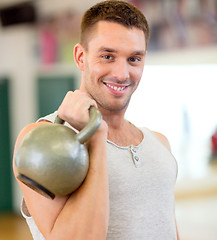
(115, 107)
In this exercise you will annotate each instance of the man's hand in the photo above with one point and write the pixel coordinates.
(75, 109)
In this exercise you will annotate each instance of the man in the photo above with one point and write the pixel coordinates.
(128, 191)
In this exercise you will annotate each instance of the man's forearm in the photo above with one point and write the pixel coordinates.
(85, 214)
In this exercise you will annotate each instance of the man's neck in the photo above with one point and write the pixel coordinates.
(114, 119)
(120, 131)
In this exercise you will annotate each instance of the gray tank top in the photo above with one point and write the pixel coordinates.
(141, 187)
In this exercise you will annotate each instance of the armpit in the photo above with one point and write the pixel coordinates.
(25, 209)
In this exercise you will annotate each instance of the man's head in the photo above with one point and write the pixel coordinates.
(113, 11)
(111, 54)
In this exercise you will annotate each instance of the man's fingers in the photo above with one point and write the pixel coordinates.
(75, 108)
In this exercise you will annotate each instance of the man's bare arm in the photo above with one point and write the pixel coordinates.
(84, 214)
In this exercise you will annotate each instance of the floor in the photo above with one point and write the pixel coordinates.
(13, 227)
(197, 218)
(196, 206)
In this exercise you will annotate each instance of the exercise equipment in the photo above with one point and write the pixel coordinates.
(52, 159)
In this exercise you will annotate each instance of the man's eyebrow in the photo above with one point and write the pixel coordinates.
(141, 53)
(111, 50)
(107, 49)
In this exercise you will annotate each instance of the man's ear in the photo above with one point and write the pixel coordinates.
(79, 56)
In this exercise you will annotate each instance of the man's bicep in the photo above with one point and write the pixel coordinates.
(43, 210)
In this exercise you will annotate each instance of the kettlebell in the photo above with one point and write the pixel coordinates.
(52, 159)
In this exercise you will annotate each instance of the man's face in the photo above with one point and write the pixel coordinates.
(113, 64)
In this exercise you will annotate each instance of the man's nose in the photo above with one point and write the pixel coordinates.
(120, 70)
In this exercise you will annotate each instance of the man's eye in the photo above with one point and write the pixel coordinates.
(107, 57)
(134, 59)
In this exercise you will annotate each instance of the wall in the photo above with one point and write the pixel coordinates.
(187, 56)
(17, 62)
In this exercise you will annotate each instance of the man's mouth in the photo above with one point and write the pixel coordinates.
(116, 88)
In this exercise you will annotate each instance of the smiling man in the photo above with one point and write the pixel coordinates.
(129, 189)
(113, 64)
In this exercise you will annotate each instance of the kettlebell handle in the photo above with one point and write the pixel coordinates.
(88, 131)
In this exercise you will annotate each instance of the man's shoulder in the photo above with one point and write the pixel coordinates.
(163, 139)
(49, 118)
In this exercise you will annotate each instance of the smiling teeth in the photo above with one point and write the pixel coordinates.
(115, 88)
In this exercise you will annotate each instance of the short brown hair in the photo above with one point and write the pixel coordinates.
(114, 11)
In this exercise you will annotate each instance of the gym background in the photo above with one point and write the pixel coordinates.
(177, 94)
